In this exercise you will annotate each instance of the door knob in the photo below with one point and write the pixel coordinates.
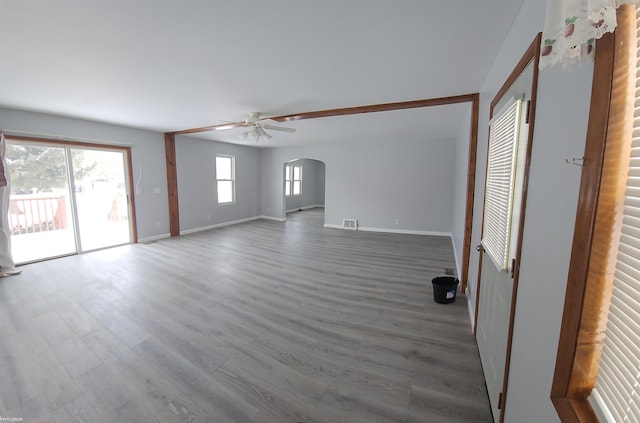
(479, 248)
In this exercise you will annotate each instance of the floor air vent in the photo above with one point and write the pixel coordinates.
(351, 224)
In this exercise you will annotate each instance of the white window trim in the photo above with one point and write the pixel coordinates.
(291, 180)
(232, 180)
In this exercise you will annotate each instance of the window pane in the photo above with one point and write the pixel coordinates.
(499, 188)
(287, 187)
(287, 171)
(225, 191)
(223, 168)
(296, 187)
(296, 172)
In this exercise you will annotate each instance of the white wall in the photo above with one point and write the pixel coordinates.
(560, 129)
(407, 180)
(312, 185)
(148, 158)
(197, 195)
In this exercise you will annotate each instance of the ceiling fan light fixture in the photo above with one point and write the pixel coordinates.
(255, 127)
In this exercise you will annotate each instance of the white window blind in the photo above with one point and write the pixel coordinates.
(501, 166)
(615, 397)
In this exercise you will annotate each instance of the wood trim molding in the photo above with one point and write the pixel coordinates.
(530, 57)
(526, 58)
(385, 107)
(590, 276)
(172, 184)
(131, 198)
(471, 186)
(65, 142)
(533, 54)
(585, 222)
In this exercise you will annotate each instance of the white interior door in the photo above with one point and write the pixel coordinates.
(495, 275)
(493, 327)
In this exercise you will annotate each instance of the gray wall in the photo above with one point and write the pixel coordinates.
(312, 185)
(561, 121)
(408, 180)
(148, 158)
(197, 195)
(461, 166)
(320, 185)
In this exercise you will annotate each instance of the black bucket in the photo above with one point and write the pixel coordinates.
(444, 289)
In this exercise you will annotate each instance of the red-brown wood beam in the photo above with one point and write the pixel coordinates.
(386, 107)
(172, 184)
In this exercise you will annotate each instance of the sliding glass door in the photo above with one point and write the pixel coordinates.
(101, 198)
(40, 217)
(66, 199)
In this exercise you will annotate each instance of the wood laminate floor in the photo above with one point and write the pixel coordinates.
(259, 322)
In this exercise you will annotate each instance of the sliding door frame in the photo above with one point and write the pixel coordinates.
(128, 168)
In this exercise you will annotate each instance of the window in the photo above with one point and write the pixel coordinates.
(293, 180)
(615, 396)
(598, 362)
(225, 177)
(502, 166)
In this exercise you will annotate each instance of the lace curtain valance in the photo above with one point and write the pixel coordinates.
(571, 28)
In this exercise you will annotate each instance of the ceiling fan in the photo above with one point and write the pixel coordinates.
(256, 127)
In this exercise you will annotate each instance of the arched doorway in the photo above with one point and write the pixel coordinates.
(303, 185)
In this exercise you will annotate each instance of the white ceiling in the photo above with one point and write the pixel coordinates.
(170, 65)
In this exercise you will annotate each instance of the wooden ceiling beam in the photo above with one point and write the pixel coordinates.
(386, 107)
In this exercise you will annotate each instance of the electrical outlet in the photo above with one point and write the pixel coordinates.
(448, 271)
(156, 190)
(397, 221)
(208, 217)
(158, 224)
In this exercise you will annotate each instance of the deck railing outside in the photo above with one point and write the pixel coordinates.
(37, 213)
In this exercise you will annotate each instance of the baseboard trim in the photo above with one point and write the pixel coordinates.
(403, 231)
(315, 206)
(392, 231)
(277, 219)
(455, 256)
(217, 225)
(153, 238)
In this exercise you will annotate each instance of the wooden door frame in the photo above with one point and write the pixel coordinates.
(531, 56)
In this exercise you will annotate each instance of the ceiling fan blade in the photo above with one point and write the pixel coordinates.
(278, 128)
